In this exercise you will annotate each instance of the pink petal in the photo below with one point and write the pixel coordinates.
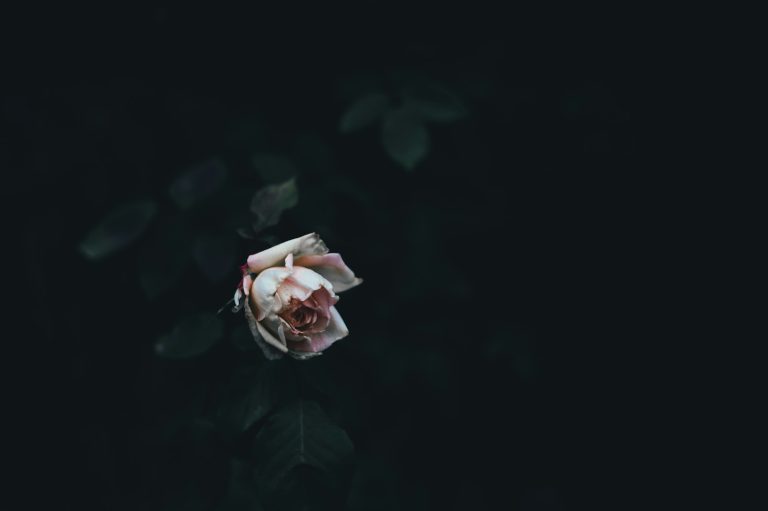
(301, 284)
(321, 341)
(332, 267)
(309, 244)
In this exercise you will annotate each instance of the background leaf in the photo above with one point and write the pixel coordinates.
(192, 336)
(118, 229)
(300, 434)
(270, 202)
(253, 392)
(404, 137)
(364, 111)
(198, 183)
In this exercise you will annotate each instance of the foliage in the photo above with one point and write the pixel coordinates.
(468, 193)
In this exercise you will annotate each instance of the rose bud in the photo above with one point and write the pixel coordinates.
(289, 292)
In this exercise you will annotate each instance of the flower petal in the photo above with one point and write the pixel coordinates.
(332, 267)
(247, 283)
(264, 290)
(319, 342)
(300, 285)
(309, 244)
(270, 338)
(268, 346)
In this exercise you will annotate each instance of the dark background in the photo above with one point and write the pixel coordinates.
(502, 349)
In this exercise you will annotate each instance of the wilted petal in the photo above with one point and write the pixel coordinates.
(309, 244)
(271, 349)
(333, 268)
(270, 338)
(264, 289)
(321, 341)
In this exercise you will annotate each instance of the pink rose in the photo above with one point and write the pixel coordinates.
(290, 293)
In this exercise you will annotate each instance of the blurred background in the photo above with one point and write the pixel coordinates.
(490, 181)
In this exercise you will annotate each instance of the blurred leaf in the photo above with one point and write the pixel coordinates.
(300, 434)
(118, 229)
(273, 168)
(216, 256)
(198, 183)
(364, 111)
(164, 260)
(241, 492)
(193, 336)
(253, 393)
(434, 102)
(404, 137)
(270, 202)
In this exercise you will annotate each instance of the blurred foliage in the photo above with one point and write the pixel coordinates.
(404, 135)
(455, 388)
(119, 228)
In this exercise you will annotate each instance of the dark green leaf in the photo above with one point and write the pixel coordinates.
(253, 393)
(119, 228)
(198, 183)
(192, 336)
(215, 255)
(300, 434)
(404, 137)
(364, 111)
(270, 202)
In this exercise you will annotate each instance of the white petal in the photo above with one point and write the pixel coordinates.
(247, 283)
(309, 244)
(264, 289)
(238, 295)
(333, 268)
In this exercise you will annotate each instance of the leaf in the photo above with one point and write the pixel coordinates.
(118, 229)
(193, 336)
(404, 137)
(300, 434)
(270, 202)
(241, 492)
(364, 111)
(252, 394)
(164, 260)
(198, 183)
(273, 168)
(434, 102)
(215, 256)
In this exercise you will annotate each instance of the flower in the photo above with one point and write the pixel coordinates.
(289, 296)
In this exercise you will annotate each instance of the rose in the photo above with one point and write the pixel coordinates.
(290, 307)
